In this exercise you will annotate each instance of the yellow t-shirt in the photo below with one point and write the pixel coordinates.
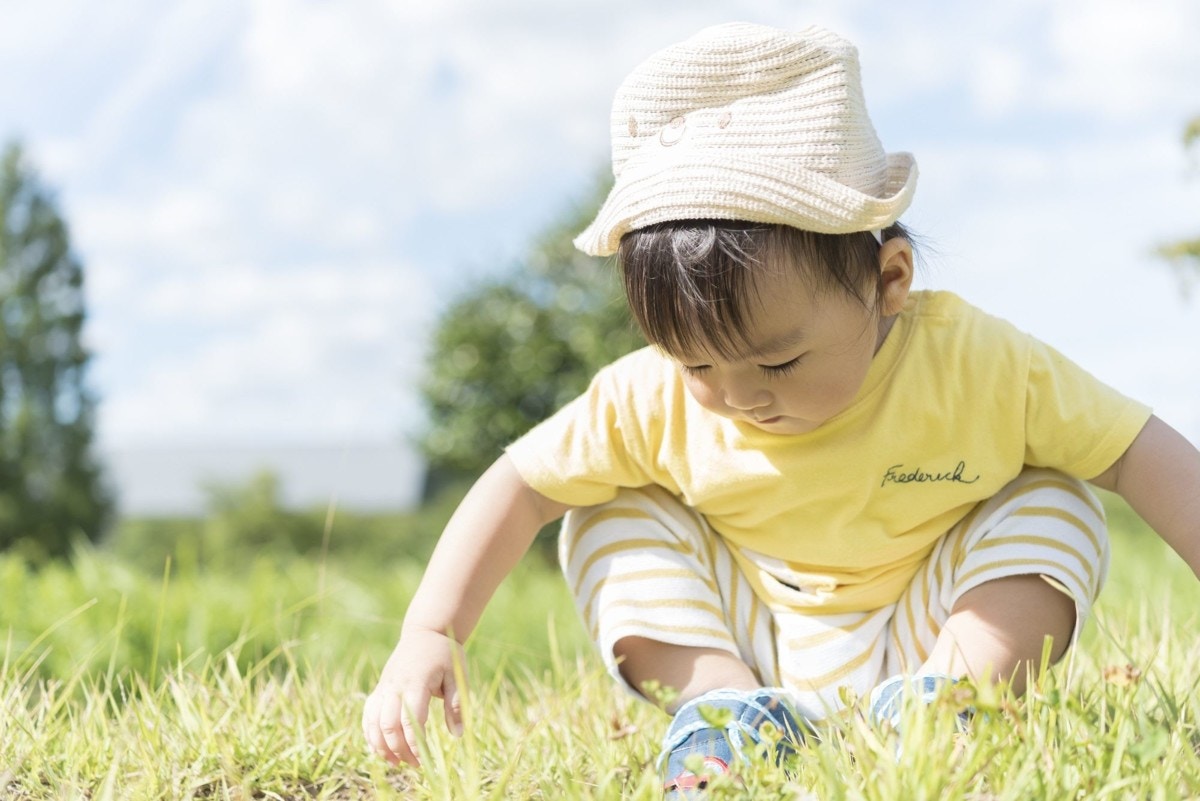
(955, 404)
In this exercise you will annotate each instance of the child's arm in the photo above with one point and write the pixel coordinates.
(1159, 475)
(489, 532)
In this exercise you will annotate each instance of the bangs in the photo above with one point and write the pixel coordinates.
(691, 286)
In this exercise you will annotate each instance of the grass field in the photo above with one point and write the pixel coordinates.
(248, 683)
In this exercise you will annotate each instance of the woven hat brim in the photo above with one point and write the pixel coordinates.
(695, 185)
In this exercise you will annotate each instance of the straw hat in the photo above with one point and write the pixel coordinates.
(747, 122)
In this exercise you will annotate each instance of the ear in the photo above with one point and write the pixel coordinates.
(895, 275)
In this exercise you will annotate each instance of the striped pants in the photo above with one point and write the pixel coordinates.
(646, 565)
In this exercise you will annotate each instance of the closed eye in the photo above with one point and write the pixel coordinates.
(693, 369)
(780, 370)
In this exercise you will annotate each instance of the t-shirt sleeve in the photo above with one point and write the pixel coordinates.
(583, 453)
(1073, 421)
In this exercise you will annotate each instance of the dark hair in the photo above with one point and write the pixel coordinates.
(691, 287)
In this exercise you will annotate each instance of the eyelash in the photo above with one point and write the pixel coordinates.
(780, 370)
(771, 371)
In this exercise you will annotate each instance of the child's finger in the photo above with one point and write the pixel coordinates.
(370, 726)
(393, 725)
(414, 710)
(453, 706)
(378, 745)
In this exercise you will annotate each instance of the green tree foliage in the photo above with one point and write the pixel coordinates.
(249, 518)
(51, 488)
(509, 353)
(1184, 255)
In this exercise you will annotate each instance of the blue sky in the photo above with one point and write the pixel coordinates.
(273, 199)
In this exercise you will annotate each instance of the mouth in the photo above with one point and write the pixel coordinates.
(768, 421)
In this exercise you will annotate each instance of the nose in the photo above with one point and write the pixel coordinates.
(745, 397)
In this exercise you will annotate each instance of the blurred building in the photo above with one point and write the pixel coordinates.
(172, 481)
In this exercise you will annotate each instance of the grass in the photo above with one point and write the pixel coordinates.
(213, 685)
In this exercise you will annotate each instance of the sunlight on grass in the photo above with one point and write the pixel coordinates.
(252, 685)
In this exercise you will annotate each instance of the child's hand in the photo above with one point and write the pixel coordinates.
(420, 667)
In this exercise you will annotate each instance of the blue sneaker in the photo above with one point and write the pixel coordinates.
(722, 727)
(887, 700)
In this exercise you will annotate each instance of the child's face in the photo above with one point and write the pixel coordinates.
(809, 356)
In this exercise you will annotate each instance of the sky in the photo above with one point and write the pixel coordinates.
(274, 199)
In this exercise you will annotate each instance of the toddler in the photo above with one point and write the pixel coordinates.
(814, 478)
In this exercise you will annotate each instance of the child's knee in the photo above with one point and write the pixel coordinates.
(1045, 528)
(1022, 609)
(670, 674)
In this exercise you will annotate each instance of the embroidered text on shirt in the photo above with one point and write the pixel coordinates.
(897, 474)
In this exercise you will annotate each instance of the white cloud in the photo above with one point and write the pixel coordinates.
(999, 80)
(229, 294)
(183, 38)
(294, 351)
(1118, 58)
(263, 193)
(1109, 60)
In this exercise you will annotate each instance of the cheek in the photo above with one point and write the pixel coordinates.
(704, 394)
(844, 383)
(821, 393)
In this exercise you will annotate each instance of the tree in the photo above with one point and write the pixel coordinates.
(51, 487)
(509, 353)
(1185, 254)
(250, 518)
